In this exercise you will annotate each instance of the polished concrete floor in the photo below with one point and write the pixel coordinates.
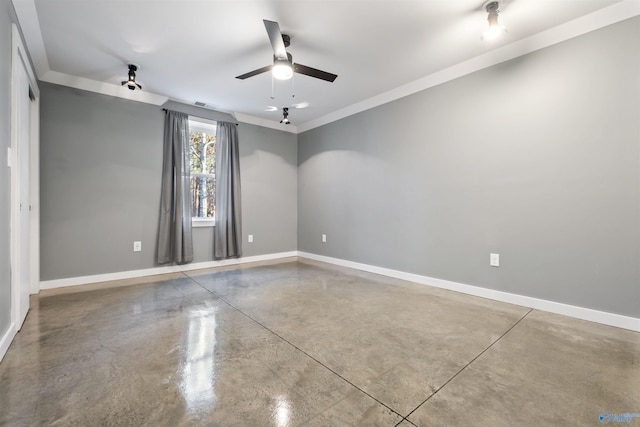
(307, 344)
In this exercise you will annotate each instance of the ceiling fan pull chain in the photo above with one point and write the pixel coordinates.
(272, 96)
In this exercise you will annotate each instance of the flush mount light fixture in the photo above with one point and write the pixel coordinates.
(495, 30)
(285, 116)
(131, 82)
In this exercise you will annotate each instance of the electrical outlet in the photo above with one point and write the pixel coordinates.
(137, 246)
(324, 238)
(494, 260)
(250, 238)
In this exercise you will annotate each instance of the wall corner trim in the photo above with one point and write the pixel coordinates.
(6, 339)
(605, 318)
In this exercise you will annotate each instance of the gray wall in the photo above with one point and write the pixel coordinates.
(537, 159)
(101, 161)
(6, 17)
(269, 169)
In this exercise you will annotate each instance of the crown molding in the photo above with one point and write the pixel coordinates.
(30, 26)
(252, 120)
(103, 88)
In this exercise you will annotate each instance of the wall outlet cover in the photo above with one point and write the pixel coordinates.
(494, 260)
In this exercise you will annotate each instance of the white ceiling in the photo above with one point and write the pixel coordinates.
(191, 50)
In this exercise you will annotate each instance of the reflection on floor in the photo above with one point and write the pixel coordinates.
(307, 344)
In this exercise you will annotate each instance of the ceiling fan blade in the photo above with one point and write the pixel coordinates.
(254, 72)
(313, 72)
(124, 82)
(275, 36)
(139, 87)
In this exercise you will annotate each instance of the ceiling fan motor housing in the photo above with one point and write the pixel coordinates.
(286, 39)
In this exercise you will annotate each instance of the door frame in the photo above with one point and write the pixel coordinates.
(20, 59)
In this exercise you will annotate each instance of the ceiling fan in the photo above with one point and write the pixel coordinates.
(283, 66)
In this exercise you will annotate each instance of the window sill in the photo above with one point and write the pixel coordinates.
(202, 222)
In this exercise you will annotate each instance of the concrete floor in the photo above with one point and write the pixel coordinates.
(307, 344)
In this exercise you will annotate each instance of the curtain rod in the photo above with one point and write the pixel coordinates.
(164, 109)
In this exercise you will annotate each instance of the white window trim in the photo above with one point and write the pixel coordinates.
(206, 126)
(202, 125)
(197, 222)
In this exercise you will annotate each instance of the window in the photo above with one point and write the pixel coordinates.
(202, 144)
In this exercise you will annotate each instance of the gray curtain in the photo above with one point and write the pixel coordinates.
(175, 242)
(227, 233)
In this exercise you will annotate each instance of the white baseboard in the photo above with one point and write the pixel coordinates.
(85, 280)
(602, 317)
(5, 340)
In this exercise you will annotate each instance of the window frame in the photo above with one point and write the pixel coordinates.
(197, 124)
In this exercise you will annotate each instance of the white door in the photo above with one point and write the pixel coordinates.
(21, 208)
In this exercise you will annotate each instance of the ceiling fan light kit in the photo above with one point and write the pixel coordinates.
(495, 30)
(282, 69)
